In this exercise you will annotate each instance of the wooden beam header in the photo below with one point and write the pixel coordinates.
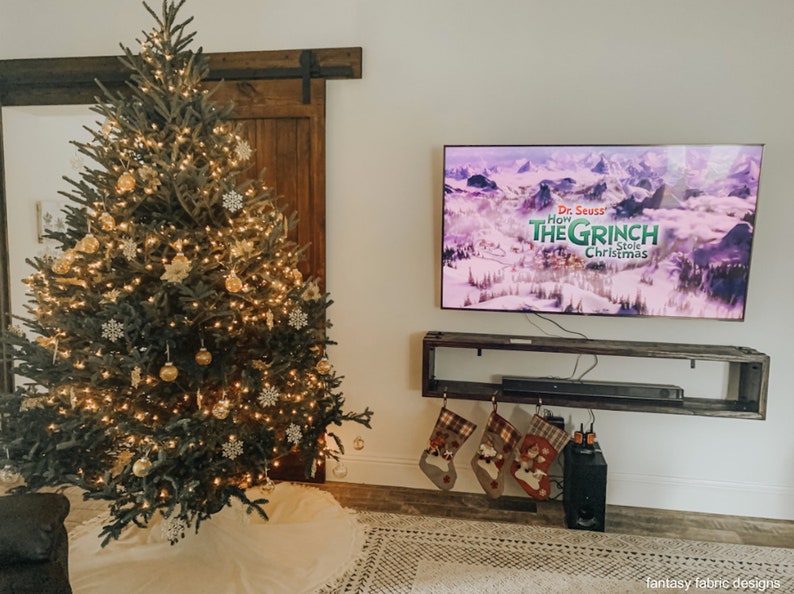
(68, 81)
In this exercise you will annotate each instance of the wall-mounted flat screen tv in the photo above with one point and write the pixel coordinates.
(600, 230)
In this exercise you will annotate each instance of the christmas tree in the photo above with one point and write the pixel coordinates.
(173, 351)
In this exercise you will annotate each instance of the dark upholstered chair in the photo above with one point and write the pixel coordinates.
(34, 547)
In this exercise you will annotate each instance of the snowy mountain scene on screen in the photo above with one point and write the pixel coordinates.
(600, 230)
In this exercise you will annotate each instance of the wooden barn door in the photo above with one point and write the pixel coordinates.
(288, 138)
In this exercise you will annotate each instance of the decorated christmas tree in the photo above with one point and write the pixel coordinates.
(173, 351)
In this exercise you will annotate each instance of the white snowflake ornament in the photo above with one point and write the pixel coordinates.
(232, 201)
(77, 162)
(129, 249)
(112, 330)
(232, 448)
(294, 434)
(298, 319)
(268, 397)
(173, 529)
(243, 150)
(176, 272)
(135, 377)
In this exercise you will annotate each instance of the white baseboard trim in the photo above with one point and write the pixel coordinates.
(649, 491)
(732, 498)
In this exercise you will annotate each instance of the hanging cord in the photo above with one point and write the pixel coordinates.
(550, 321)
(572, 375)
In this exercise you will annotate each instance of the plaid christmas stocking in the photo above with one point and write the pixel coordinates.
(541, 445)
(493, 458)
(449, 434)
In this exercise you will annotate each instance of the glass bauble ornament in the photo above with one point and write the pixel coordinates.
(233, 283)
(340, 470)
(61, 266)
(221, 409)
(323, 366)
(107, 222)
(9, 473)
(168, 372)
(142, 467)
(88, 244)
(358, 443)
(268, 486)
(125, 183)
(203, 356)
(64, 264)
(180, 258)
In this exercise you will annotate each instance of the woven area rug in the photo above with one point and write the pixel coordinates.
(410, 554)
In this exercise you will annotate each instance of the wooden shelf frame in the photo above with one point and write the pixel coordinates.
(749, 367)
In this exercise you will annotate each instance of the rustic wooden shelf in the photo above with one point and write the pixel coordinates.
(749, 367)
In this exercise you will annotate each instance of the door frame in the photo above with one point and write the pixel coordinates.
(73, 81)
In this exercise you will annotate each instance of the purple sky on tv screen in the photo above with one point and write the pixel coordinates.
(601, 230)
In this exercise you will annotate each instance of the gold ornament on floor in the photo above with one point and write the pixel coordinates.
(125, 183)
(233, 283)
(168, 372)
(358, 443)
(142, 467)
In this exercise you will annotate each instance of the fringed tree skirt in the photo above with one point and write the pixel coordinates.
(308, 541)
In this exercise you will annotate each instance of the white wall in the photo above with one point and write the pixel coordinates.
(515, 71)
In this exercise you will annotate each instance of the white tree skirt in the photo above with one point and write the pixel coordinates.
(308, 541)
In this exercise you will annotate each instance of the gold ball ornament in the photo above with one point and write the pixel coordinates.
(233, 283)
(221, 409)
(142, 467)
(125, 183)
(61, 266)
(168, 372)
(203, 356)
(107, 222)
(358, 443)
(323, 366)
(88, 244)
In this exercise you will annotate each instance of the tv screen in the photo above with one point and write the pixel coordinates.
(600, 230)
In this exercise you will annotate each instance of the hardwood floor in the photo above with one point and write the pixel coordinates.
(475, 506)
(619, 519)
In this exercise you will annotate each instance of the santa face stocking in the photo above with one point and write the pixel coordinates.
(449, 434)
(492, 460)
(541, 445)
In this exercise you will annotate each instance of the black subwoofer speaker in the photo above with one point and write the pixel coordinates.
(584, 492)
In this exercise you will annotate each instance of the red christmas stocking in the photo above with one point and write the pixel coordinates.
(493, 457)
(541, 445)
(449, 434)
